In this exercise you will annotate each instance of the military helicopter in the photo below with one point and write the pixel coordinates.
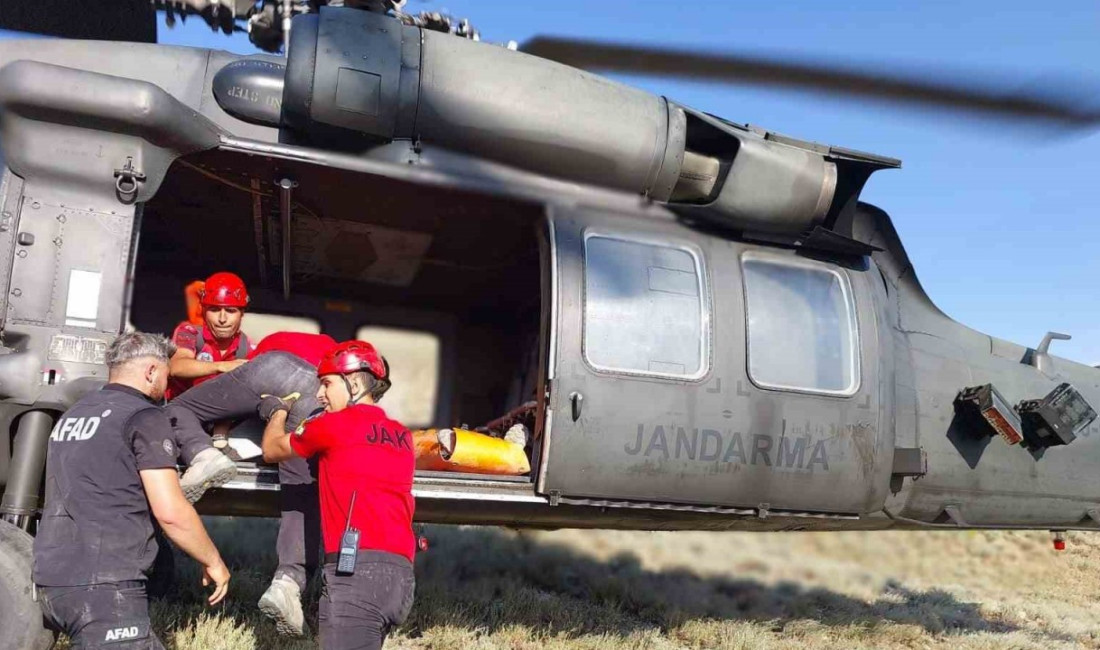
(702, 324)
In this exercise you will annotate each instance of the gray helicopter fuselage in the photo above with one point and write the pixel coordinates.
(724, 336)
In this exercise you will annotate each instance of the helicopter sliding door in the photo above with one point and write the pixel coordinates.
(690, 369)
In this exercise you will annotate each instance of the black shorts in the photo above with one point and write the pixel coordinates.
(356, 612)
(113, 616)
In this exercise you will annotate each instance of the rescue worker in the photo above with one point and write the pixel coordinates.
(218, 346)
(365, 470)
(282, 363)
(111, 469)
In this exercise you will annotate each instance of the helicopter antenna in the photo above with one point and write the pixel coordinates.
(1041, 358)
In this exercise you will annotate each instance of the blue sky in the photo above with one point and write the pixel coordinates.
(1000, 222)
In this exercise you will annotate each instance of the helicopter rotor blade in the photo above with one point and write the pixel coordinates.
(974, 97)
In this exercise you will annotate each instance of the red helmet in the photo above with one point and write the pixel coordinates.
(224, 290)
(352, 356)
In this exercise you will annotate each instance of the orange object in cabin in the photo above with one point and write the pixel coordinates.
(194, 302)
(459, 450)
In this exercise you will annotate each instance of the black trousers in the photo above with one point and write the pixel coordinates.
(113, 615)
(236, 395)
(356, 612)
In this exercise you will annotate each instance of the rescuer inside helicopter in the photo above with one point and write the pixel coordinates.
(366, 464)
(204, 352)
(283, 363)
(111, 470)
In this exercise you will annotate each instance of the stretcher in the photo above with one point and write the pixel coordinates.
(461, 450)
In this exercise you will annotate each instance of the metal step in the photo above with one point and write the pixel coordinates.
(426, 485)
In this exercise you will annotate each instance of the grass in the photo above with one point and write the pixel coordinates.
(496, 589)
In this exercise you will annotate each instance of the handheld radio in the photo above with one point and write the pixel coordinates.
(349, 545)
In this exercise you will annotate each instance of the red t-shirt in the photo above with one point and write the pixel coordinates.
(308, 347)
(187, 336)
(364, 451)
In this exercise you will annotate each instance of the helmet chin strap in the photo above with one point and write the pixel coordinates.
(352, 399)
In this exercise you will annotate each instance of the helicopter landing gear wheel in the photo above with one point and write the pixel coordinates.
(20, 617)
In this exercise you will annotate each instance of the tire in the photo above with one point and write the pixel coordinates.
(20, 617)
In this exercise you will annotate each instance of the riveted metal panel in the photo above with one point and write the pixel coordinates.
(11, 195)
(62, 244)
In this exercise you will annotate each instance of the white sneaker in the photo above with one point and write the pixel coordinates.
(209, 469)
(282, 603)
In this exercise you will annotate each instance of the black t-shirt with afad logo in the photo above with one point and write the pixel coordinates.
(96, 526)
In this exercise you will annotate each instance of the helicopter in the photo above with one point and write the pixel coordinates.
(700, 321)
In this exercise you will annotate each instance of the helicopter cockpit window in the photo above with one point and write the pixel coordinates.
(645, 309)
(801, 326)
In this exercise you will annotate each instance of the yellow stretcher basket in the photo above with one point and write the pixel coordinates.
(459, 450)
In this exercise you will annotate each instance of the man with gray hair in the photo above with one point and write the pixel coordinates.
(111, 468)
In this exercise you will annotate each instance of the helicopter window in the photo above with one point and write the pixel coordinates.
(414, 363)
(257, 325)
(644, 309)
(801, 326)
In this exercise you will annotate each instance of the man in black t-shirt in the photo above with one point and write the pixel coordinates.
(111, 468)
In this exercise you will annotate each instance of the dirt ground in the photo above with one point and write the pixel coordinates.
(490, 588)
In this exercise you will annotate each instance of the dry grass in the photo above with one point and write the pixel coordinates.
(493, 589)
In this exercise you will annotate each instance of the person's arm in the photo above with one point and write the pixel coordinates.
(151, 440)
(184, 365)
(276, 441)
(182, 525)
(312, 437)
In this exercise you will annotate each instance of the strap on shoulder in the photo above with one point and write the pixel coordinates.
(200, 341)
(244, 346)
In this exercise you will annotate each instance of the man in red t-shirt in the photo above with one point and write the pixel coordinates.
(366, 464)
(284, 363)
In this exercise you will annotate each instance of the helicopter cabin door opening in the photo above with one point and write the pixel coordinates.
(446, 283)
(693, 370)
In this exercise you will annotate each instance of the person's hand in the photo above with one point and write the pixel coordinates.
(269, 404)
(218, 575)
(227, 366)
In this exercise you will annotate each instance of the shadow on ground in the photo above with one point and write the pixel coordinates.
(488, 579)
